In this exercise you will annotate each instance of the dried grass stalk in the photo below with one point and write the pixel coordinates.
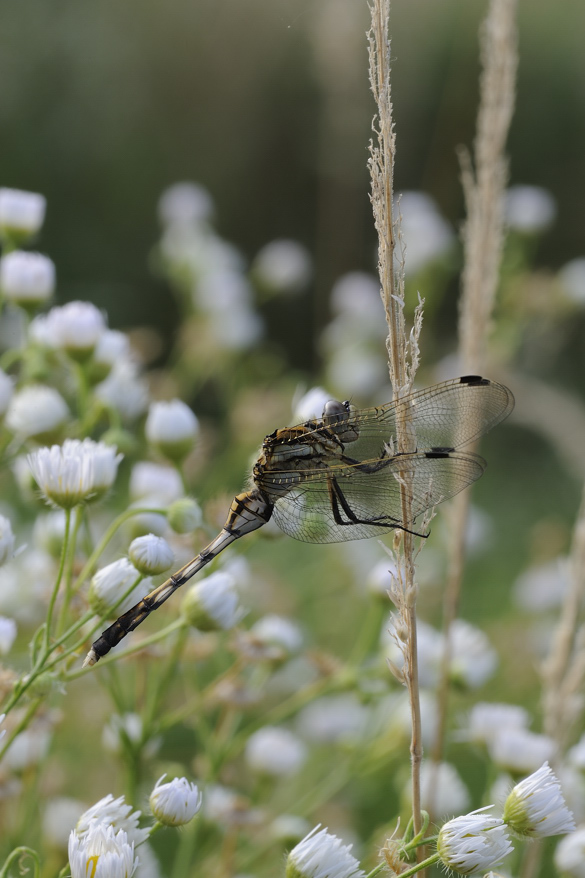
(403, 356)
(483, 230)
(483, 236)
(563, 672)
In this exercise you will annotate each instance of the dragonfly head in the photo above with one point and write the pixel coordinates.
(337, 416)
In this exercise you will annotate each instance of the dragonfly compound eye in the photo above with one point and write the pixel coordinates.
(333, 410)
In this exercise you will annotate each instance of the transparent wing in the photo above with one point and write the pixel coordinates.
(337, 503)
(447, 415)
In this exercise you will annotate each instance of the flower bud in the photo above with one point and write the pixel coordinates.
(110, 583)
(175, 803)
(212, 603)
(21, 213)
(27, 279)
(150, 554)
(536, 808)
(37, 412)
(172, 428)
(184, 515)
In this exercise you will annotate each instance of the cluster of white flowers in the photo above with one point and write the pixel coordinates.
(75, 328)
(534, 808)
(105, 838)
(208, 269)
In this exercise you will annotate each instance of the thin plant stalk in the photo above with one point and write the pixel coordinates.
(50, 610)
(483, 236)
(563, 671)
(403, 354)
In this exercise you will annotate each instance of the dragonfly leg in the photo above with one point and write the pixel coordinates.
(338, 499)
(374, 467)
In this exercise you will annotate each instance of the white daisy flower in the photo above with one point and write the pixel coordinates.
(125, 390)
(473, 659)
(536, 808)
(75, 328)
(185, 204)
(36, 411)
(152, 480)
(487, 720)
(275, 751)
(8, 631)
(74, 472)
(570, 854)
(322, 855)
(518, 750)
(334, 719)
(283, 266)
(101, 853)
(442, 790)
(274, 630)
(529, 209)
(473, 842)
(176, 802)
(115, 813)
(310, 405)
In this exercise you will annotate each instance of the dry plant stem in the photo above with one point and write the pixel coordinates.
(563, 672)
(402, 352)
(483, 235)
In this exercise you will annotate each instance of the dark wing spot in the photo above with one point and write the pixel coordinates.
(474, 379)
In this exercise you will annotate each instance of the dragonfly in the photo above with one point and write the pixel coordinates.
(340, 477)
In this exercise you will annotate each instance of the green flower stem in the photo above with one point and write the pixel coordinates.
(69, 569)
(47, 639)
(19, 854)
(178, 464)
(156, 828)
(147, 641)
(424, 864)
(110, 532)
(8, 739)
(376, 870)
(418, 841)
(10, 357)
(82, 388)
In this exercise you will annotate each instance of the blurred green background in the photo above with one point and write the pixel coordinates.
(266, 103)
